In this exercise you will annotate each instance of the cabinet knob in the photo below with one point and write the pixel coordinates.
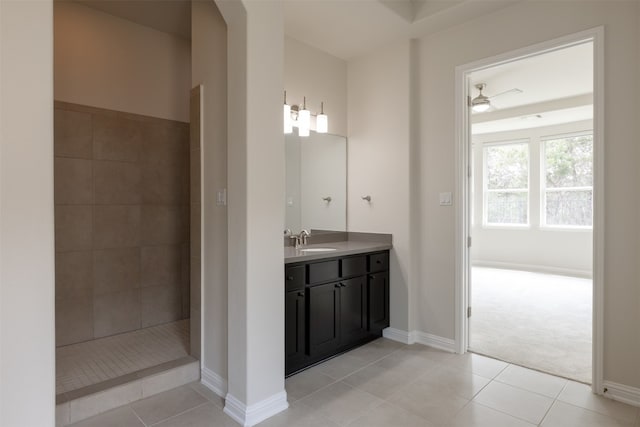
(371, 276)
(337, 285)
(378, 261)
(300, 294)
(289, 277)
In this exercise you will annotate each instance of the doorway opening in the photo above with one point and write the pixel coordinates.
(124, 186)
(531, 193)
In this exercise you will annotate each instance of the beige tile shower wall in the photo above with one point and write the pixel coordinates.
(121, 222)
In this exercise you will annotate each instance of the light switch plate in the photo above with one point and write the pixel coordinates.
(445, 199)
(221, 197)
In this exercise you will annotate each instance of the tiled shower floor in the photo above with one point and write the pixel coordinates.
(91, 362)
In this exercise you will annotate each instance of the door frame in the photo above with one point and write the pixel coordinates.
(463, 193)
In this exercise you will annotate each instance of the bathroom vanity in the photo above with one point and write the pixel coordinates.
(337, 287)
(334, 299)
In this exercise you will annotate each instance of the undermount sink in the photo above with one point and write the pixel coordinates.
(317, 249)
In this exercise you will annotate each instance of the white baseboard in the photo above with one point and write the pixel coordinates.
(587, 274)
(213, 382)
(622, 393)
(435, 341)
(251, 415)
(423, 338)
(398, 335)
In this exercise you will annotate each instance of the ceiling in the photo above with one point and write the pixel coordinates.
(557, 85)
(169, 16)
(349, 28)
(342, 28)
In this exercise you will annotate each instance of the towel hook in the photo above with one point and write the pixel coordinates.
(367, 198)
(327, 199)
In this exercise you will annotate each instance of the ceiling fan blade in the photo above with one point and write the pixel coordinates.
(514, 90)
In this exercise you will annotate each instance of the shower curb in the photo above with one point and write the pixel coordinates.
(78, 405)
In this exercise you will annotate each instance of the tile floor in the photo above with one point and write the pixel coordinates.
(388, 384)
(91, 362)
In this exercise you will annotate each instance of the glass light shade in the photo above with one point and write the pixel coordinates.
(322, 123)
(481, 108)
(304, 122)
(288, 123)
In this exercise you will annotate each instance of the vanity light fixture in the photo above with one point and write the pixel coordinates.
(298, 116)
(322, 121)
(304, 119)
(288, 122)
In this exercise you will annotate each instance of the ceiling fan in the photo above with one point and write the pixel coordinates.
(482, 103)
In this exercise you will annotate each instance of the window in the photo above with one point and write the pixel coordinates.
(506, 188)
(568, 181)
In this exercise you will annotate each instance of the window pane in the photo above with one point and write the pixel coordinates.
(507, 166)
(570, 207)
(569, 162)
(507, 208)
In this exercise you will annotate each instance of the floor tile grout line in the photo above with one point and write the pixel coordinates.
(340, 379)
(190, 385)
(593, 411)
(372, 363)
(415, 413)
(548, 410)
(553, 400)
(181, 413)
(137, 416)
(360, 369)
(505, 413)
(524, 389)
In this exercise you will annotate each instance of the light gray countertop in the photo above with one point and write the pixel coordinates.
(348, 247)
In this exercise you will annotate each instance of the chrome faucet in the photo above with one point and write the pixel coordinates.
(300, 239)
(304, 236)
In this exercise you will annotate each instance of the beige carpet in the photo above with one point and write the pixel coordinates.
(540, 321)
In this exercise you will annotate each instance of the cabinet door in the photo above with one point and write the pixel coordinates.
(353, 310)
(323, 318)
(378, 302)
(294, 329)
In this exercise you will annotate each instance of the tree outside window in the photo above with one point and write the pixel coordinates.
(506, 183)
(568, 181)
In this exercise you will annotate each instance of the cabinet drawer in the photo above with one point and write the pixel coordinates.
(379, 262)
(323, 271)
(354, 266)
(294, 278)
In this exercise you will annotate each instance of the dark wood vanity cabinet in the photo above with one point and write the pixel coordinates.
(378, 289)
(332, 305)
(295, 330)
(323, 333)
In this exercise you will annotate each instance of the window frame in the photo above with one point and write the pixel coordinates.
(543, 182)
(485, 183)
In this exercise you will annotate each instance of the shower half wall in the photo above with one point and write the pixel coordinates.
(121, 222)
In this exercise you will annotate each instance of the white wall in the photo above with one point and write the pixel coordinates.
(320, 77)
(514, 27)
(27, 358)
(379, 158)
(376, 130)
(109, 62)
(534, 248)
(255, 43)
(209, 68)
